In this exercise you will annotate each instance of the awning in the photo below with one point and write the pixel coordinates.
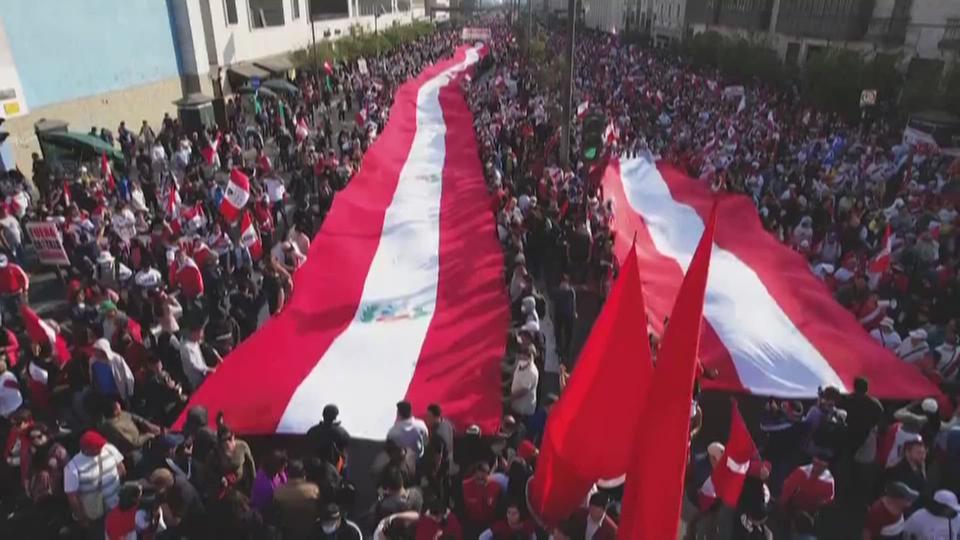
(277, 65)
(249, 71)
(280, 85)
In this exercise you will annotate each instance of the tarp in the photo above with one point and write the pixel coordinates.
(401, 296)
(773, 328)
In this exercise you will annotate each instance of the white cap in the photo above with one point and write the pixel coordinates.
(886, 321)
(919, 333)
(3, 261)
(929, 406)
(947, 498)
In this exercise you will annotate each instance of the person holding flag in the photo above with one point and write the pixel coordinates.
(236, 196)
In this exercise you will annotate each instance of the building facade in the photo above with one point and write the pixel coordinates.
(915, 30)
(100, 62)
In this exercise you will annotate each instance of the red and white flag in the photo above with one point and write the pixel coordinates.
(210, 151)
(881, 262)
(583, 108)
(380, 317)
(236, 196)
(612, 133)
(251, 237)
(729, 474)
(327, 67)
(583, 442)
(194, 217)
(106, 172)
(171, 204)
(41, 331)
(771, 327)
(653, 494)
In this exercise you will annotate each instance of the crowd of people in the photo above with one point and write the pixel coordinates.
(161, 288)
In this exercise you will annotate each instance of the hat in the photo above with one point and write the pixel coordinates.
(330, 512)
(3, 261)
(929, 406)
(899, 490)
(473, 430)
(919, 333)
(102, 345)
(171, 440)
(91, 442)
(886, 321)
(947, 498)
(106, 306)
(527, 450)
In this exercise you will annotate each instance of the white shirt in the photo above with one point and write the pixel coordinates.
(85, 474)
(888, 338)
(10, 397)
(411, 433)
(525, 379)
(194, 367)
(275, 189)
(11, 230)
(911, 352)
(923, 525)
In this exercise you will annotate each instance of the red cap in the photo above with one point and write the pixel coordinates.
(92, 442)
(527, 450)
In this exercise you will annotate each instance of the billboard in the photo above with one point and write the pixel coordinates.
(329, 9)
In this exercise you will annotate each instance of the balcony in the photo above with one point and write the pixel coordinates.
(888, 31)
(951, 36)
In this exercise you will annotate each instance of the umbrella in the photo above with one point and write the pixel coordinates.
(280, 85)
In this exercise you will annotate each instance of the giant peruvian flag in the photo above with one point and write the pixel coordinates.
(772, 328)
(401, 296)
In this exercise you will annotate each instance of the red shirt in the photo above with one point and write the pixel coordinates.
(879, 518)
(13, 279)
(480, 502)
(805, 494)
(502, 531)
(430, 529)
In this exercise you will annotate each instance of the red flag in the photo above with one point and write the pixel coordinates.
(327, 67)
(67, 199)
(250, 237)
(106, 172)
(236, 196)
(881, 263)
(730, 472)
(590, 431)
(210, 152)
(135, 330)
(40, 331)
(654, 489)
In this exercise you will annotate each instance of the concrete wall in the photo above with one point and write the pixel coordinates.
(231, 44)
(67, 49)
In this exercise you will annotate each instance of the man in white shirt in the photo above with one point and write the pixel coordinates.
(939, 519)
(886, 335)
(91, 480)
(194, 365)
(915, 347)
(523, 389)
(409, 431)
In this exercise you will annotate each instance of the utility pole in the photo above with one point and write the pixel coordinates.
(568, 83)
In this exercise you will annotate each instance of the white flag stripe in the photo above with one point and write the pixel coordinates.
(381, 356)
(760, 337)
(738, 468)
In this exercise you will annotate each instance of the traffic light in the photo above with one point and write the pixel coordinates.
(593, 128)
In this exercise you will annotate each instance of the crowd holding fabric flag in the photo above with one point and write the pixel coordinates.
(392, 269)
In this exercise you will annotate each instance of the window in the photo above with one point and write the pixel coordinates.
(294, 9)
(230, 10)
(266, 13)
